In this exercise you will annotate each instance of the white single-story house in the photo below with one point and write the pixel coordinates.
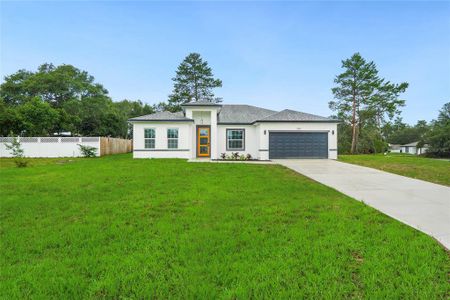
(412, 148)
(395, 148)
(205, 129)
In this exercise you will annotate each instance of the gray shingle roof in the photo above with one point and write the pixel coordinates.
(162, 116)
(292, 115)
(412, 144)
(240, 114)
(237, 113)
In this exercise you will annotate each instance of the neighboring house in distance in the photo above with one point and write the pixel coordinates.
(395, 148)
(412, 148)
(205, 129)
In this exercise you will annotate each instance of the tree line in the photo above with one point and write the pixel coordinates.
(57, 99)
(369, 107)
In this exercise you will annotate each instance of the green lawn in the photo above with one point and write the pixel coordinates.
(115, 227)
(429, 169)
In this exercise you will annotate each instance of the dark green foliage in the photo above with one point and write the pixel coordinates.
(408, 134)
(344, 138)
(38, 118)
(438, 138)
(87, 151)
(10, 119)
(369, 141)
(54, 85)
(194, 81)
(118, 228)
(364, 100)
(63, 98)
(393, 126)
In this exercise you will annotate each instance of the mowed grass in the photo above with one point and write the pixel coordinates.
(115, 227)
(428, 169)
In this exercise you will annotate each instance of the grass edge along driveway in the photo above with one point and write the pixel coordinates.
(427, 169)
(116, 227)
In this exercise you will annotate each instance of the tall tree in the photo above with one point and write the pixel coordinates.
(62, 98)
(194, 81)
(385, 104)
(54, 85)
(363, 98)
(129, 109)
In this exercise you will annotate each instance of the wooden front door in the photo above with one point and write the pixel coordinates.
(203, 142)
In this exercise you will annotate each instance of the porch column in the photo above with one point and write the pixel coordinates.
(214, 134)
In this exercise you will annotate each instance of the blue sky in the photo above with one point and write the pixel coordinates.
(272, 54)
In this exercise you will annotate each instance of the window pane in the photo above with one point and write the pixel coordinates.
(172, 144)
(150, 143)
(149, 133)
(203, 132)
(235, 144)
(235, 139)
(172, 133)
(235, 134)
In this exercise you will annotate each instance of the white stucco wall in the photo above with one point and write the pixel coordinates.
(296, 126)
(413, 150)
(256, 141)
(161, 150)
(202, 117)
(251, 140)
(205, 115)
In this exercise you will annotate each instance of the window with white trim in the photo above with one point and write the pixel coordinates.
(149, 138)
(172, 138)
(235, 139)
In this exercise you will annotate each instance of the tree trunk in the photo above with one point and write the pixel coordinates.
(353, 149)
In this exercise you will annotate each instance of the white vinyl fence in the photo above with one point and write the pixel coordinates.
(50, 146)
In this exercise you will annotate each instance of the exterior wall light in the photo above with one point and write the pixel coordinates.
(332, 132)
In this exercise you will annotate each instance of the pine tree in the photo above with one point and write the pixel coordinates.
(362, 97)
(194, 81)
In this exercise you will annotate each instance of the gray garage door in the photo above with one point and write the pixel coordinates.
(298, 145)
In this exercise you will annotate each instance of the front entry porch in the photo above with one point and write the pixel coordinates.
(203, 141)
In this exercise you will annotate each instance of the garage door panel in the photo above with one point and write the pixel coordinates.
(298, 145)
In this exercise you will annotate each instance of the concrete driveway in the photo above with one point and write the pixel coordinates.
(420, 204)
